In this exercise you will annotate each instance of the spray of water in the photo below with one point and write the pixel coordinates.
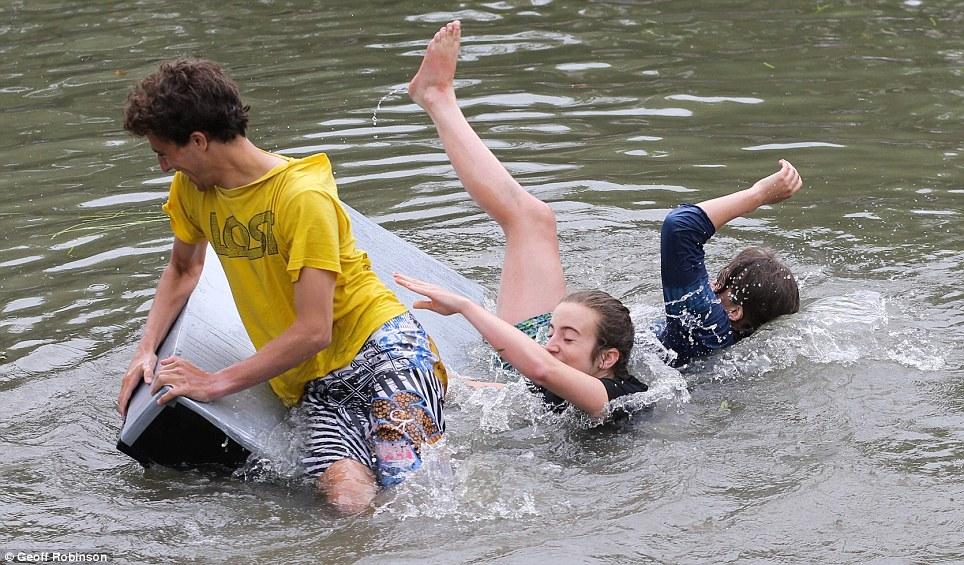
(396, 90)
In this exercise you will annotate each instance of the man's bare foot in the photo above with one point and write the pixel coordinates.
(780, 185)
(433, 81)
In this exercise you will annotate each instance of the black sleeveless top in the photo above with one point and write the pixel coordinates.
(615, 387)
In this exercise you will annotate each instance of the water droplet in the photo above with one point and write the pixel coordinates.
(392, 92)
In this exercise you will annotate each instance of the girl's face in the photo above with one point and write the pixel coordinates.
(573, 337)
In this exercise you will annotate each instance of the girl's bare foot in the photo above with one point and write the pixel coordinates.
(433, 81)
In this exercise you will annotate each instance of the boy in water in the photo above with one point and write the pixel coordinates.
(330, 337)
(703, 317)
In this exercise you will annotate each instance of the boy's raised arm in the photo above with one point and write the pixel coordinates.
(769, 190)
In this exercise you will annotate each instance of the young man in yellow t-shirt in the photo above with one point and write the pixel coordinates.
(329, 335)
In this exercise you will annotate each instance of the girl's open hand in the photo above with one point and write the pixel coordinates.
(440, 300)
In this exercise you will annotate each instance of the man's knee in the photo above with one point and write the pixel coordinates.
(348, 485)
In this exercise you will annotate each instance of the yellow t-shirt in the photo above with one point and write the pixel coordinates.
(264, 233)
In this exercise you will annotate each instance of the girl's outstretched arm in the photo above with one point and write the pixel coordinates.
(583, 391)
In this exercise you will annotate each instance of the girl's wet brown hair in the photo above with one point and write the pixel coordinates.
(614, 328)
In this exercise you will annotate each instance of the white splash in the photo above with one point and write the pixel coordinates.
(394, 91)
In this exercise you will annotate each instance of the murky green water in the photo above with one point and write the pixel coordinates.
(833, 436)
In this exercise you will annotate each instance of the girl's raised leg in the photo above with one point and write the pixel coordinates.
(532, 279)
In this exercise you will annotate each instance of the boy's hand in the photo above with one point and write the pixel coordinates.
(779, 186)
(141, 367)
(185, 379)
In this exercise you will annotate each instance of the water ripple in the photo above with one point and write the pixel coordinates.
(21, 304)
(445, 17)
(715, 99)
(21, 261)
(129, 198)
(56, 356)
(582, 66)
(120, 252)
(795, 145)
(671, 112)
(366, 131)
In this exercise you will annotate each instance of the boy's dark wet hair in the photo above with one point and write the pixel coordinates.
(762, 285)
(615, 327)
(185, 96)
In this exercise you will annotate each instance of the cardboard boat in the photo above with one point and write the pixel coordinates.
(208, 332)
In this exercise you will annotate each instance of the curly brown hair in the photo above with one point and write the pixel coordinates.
(185, 96)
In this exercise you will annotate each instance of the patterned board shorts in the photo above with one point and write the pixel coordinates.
(536, 327)
(381, 408)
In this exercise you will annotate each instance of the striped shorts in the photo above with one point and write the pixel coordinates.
(381, 408)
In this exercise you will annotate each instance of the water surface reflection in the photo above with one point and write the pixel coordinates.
(834, 435)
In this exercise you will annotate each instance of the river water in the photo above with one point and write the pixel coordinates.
(836, 435)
